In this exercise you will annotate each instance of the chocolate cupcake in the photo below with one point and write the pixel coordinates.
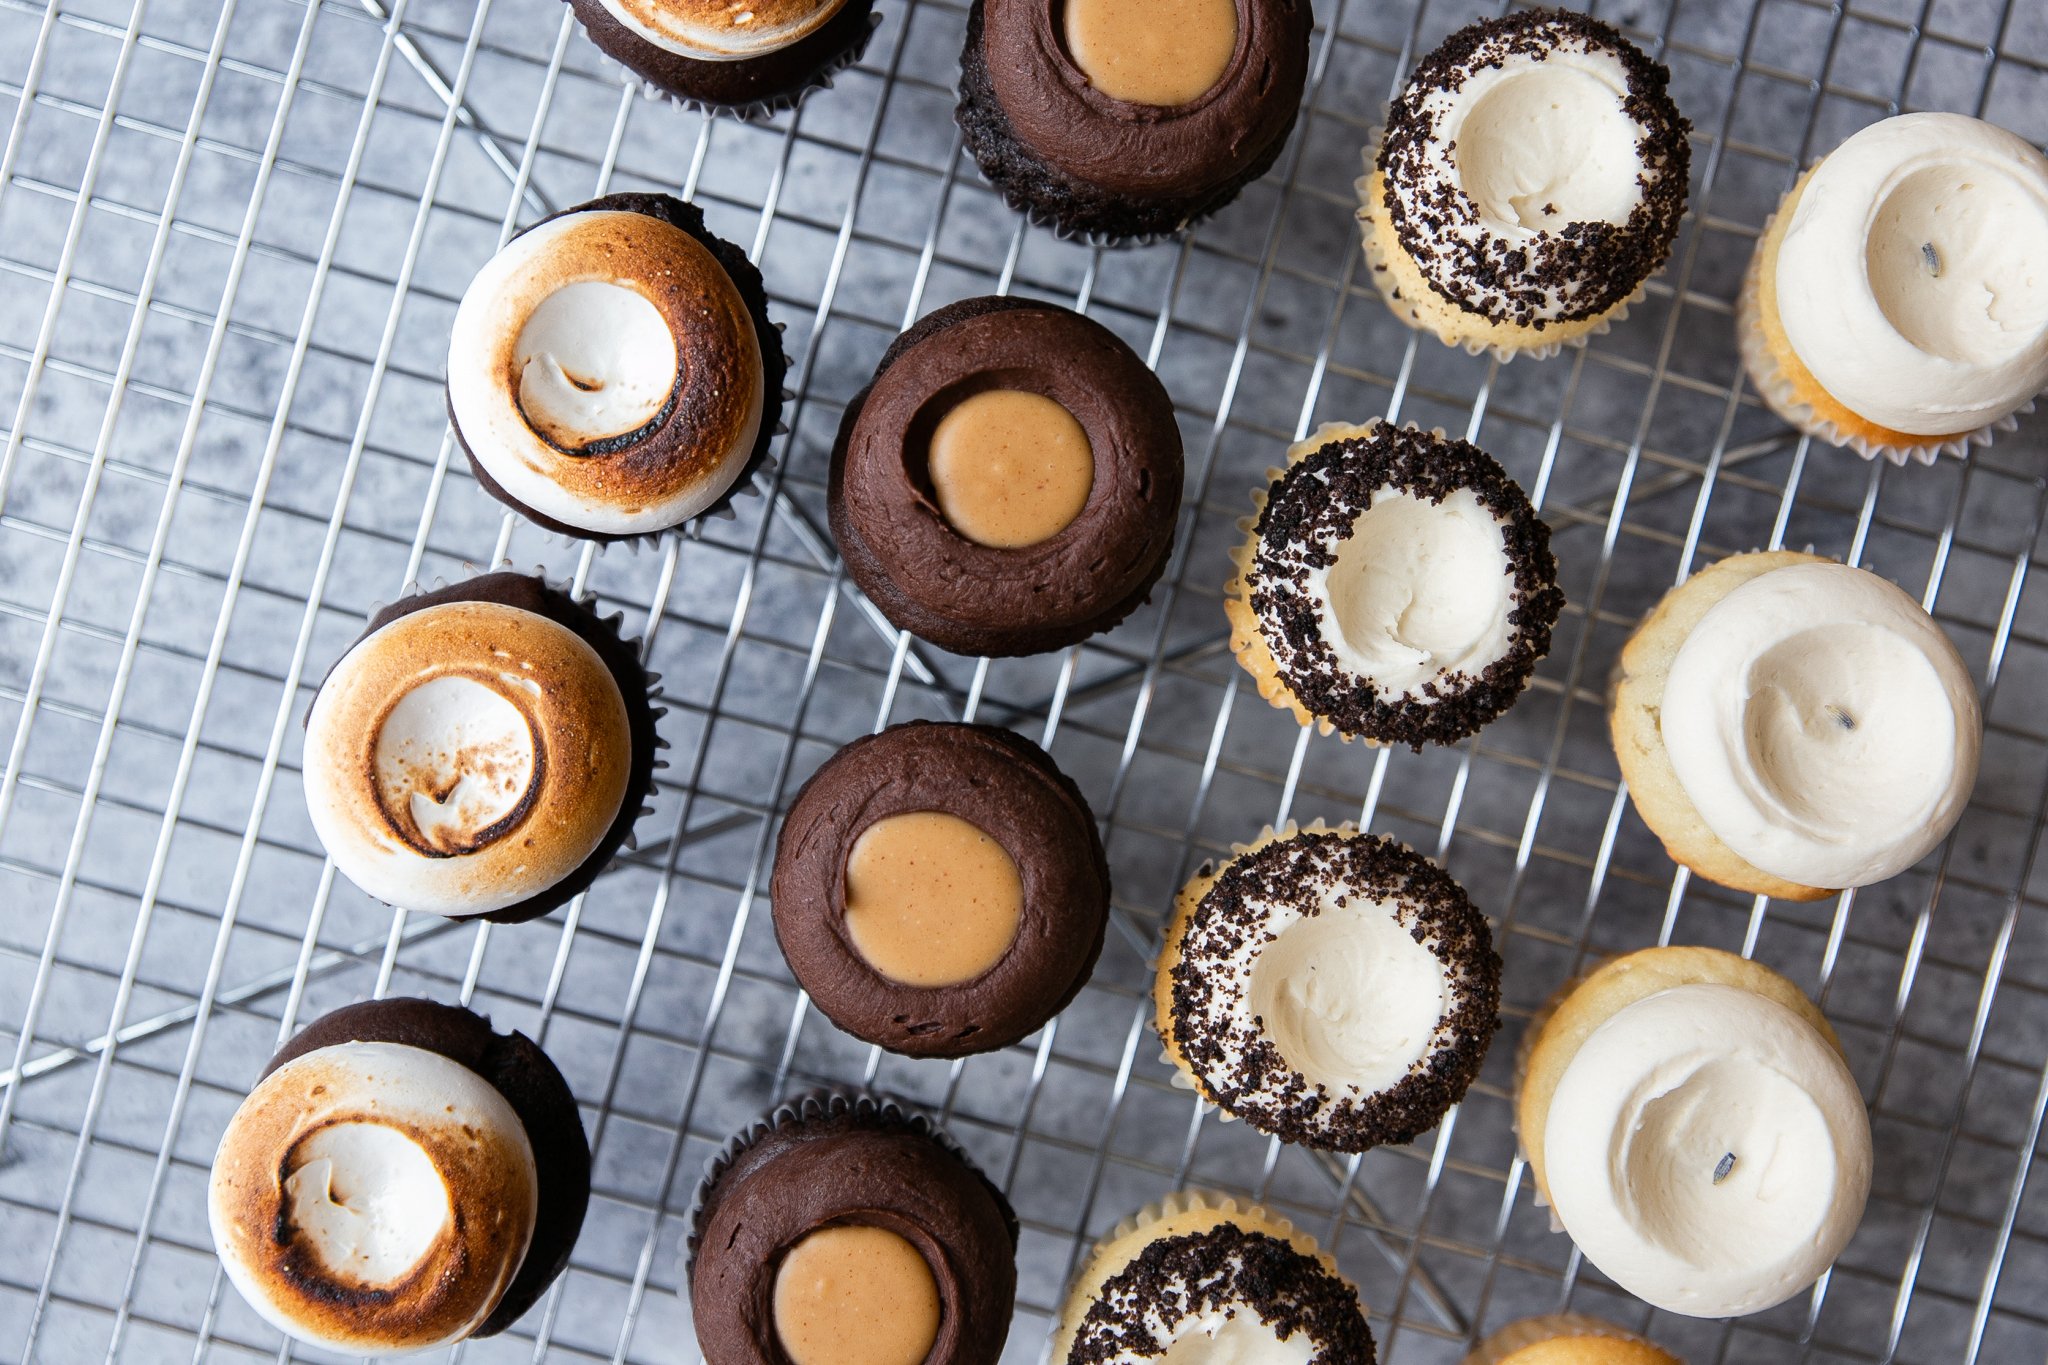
(750, 59)
(482, 749)
(1329, 987)
(1009, 481)
(1119, 120)
(940, 889)
(612, 371)
(400, 1178)
(1396, 586)
(845, 1230)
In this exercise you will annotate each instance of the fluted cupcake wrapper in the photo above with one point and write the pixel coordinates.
(1519, 1336)
(755, 111)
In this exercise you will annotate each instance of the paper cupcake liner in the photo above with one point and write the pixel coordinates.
(755, 111)
(1519, 1336)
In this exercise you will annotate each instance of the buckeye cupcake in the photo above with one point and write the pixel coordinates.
(1332, 988)
(1691, 1120)
(1009, 481)
(1568, 1339)
(1895, 303)
(612, 371)
(1396, 586)
(1789, 726)
(750, 59)
(482, 749)
(400, 1178)
(1530, 179)
(940, 889)
(1205, 1277)
(845, 1230)
(1129, 119)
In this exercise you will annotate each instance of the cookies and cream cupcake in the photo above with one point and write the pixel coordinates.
(400, 1178)
(612, 371)
(1691, 1120)
(1530, 178)
(1567, 1339)
(1330, 987)
(1896, 303)
(1395, 586)
(1207, 1277)
(749, 59)
(1790, 726)
(482, 749)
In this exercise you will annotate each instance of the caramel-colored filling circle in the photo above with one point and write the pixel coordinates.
(853, 1295)
(931, 899)
(1010, 468)
(1158, 52)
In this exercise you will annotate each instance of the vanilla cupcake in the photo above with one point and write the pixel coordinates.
(1395, 586)
(400, 1178)
(1530, 178)
(1202, 1276)
(482, 750)
(1329, 987)
(1897, 303)
(612, 371)
(750, 59)
(1790, 726)
(1567, 1339)
(1690, 1118)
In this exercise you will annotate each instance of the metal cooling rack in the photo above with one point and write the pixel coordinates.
(231, 241)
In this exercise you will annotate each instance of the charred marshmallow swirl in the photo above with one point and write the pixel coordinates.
(713, 31)
(465, 757)
(373, 1197)
(605, 372)
(1823, 725)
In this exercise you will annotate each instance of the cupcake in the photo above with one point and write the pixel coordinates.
(1121, 120)
(1395, 586)
(1009, 481)
(1895, 303)
(1567, 1339)
(481, 750)
(1328, 987)
(748, 59)
(940, 889)
(1204, 1277)
(845, 1230)
(1690, 1119)
(400, 1178)
(612, 371)
(1530, 178)
(1790, 726)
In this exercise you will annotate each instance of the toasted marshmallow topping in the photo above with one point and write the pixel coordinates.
(723, 30)
(1708, 1149)
(373, 1198)
(1823, 725)
(604, 370)
(1912, 280)
(465, 757)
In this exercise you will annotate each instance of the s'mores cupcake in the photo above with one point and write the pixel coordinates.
(1205, 1277)
(1691, 1120)
(1790, 726)
(1329, 987)
(750, 59)
(1396, 586)
(612, 371)
(1530, 178)
(1897, 302)
(1568, 1339)
(400, 1178)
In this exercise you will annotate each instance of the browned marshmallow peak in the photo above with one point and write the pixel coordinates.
(373, 1198)
(1010, 468)
(1164, 53)
(931, 899)
(466, 757)
(855, 1295)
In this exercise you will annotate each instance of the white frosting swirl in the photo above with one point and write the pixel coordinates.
(723, 30)
(1708, 1150)
(1822, 725)
(1232, 1336)
(1912, 279)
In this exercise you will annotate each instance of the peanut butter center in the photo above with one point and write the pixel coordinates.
(931, 900)
(1010, 468)
(1157, 52)
(852, 1295)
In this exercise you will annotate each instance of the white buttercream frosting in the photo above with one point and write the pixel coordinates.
(723, 30)
(1539, 144)
(1233, 1337)
(1912, 278)
(1708, 1150)
(1823, 725)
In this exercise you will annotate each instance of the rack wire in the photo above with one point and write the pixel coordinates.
(231, 241)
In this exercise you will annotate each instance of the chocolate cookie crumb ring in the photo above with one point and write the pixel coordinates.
(1009, 788)
(750, 88)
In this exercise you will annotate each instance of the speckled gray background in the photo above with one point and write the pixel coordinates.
(225, 302)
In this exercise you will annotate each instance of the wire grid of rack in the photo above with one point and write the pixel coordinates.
(231, 240)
